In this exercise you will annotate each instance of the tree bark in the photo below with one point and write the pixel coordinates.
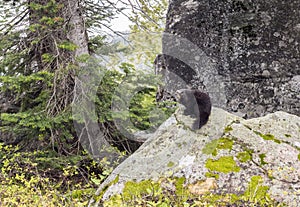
(77, 32)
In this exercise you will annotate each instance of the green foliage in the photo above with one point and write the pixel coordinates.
(33, 65)
(23, 83)
(143, 43)
(151, 193)
(142, 106)
(66, 45)
(132, 189)
(173, 192)
(126, 94)
(150, 16)
(97, 42)
(105, 92)
(50, 7)
(181, 190)
(31, 99)
(45, 177)
(256, 192)
(37, 71)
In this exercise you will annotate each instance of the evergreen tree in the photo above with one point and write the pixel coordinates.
(40, 44)
(45, 44)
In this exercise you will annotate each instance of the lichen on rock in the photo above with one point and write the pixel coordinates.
(237, 160)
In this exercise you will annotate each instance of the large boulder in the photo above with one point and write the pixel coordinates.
(245, 53)
(255, 159)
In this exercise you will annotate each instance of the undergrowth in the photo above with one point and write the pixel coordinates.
(45, 178)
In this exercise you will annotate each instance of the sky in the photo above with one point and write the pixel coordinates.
(121, 22)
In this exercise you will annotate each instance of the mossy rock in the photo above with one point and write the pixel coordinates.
(224, 164)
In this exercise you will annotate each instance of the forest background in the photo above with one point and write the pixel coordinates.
(44, 46)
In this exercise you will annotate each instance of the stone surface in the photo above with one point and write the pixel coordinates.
(270, 143)
(245, 53)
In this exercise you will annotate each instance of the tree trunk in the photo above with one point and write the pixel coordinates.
(77, 32)
(65, 40)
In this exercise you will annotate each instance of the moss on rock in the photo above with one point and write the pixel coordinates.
(268, 137)
(150, 193)
(224, 164)
(262, 159)
(217, 144)
(244, 156)
(212, 175)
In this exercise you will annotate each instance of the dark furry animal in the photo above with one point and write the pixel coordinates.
(197, 105)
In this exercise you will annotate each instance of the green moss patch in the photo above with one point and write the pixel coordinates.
(210, 148)
(212, 175)
(225, 143)
(262, 159)
(171, 164)
(244, 156)
(213, 146)
(223, 164)
(268, 137)
(228, 129)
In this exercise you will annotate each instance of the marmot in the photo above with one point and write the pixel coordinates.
(197, 105)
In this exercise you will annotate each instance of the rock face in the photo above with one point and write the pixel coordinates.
(245, 52)
(226, 156)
